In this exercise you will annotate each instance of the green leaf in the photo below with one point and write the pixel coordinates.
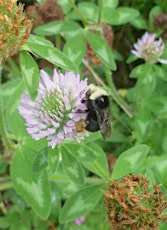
(160, 168)
(131, 59)
(63, 182)
(8, 88)
(30, 72)
(154, 11)
(102, 49)
(157, 105)
(92, 137)
(33, 187)
(53, 159)
(75, 48)
(54, 56)
(92, 157)
(129, 161)
(163, 226)
(117, 56)
(4, 223)
(29, 142)
(34, 39)
(147, 80)
(80, 203)
(124, 15)
(65, 5)
(109, 6)
(160, 72)
(143, 122)
(138, 71)
(72, 167)
(100, 164)
(112, 4)
(68, 29)
(89, 10)
(14, 217)
(42, 2)
(3, 167)
(140, 23)
(41, 160)
(146, 83)
(120, 15)
(14, 121)
(56, 201)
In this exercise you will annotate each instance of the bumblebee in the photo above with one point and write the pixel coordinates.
(98, 118)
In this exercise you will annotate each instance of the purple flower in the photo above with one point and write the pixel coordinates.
(53, 114)
(80, 220)
(149, 49)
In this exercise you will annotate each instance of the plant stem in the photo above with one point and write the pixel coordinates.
(58, 42)
(115, 95)
(89, 180)
(101, 170)
(100, 11)
(6, 186)
(84, 21)
(95, 75)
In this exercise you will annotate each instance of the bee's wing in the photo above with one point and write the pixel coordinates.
(105, 126)
(104, 123)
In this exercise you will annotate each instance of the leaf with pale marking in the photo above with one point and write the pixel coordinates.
(33, 187)
(102, 49)
(72, 167)
(129, 161)
(30, 72)
(55, 56)
(75, 48)
(80, 203)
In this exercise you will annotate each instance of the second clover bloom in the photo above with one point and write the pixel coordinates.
(149, 49)
(53, 114)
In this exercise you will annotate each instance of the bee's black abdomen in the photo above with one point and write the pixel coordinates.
(92, 122)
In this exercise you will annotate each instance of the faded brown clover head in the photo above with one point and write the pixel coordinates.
(132, 204)
(14, 28)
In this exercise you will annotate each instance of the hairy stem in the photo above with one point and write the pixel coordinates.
(95, 75)
(84, 21)
(100, 11)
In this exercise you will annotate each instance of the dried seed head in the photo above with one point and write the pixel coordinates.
(42, 14)
(13, 31)
(132, 204)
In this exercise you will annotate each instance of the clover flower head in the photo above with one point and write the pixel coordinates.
(14, 28)
(149, 49)
(132, 204)
(54, 113)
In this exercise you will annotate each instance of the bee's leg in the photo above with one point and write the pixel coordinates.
(81, 111)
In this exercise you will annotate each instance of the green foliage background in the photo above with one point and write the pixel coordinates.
(43, 188)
